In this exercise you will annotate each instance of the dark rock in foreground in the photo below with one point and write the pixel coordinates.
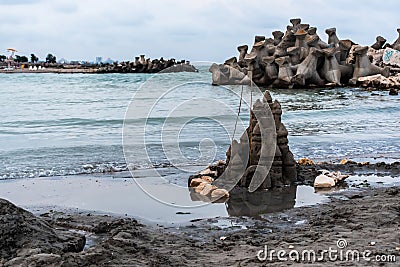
(25, 238)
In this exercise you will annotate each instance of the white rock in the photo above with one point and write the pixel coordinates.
(218, 193)
(323, 181)
(208, 188)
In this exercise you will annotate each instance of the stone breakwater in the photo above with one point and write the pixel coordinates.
(298, 57)
(143, 65)
(140, 65)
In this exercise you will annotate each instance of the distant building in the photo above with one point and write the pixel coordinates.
(99, 60)
(63, 61)
(109, 61)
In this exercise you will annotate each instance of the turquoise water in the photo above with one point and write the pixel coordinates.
(72, 124)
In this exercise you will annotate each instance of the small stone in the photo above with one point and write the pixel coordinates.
(323, 181)
(207, 179)
(393, 92)
(87, 166)
(291, 246)
(306, 161)
(218, 193)
(182, 213)
(196, 182)
(347, 161)
(200, 187)
(372, 243)
(207, 189)
(222, 238)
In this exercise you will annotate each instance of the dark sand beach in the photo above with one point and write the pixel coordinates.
(366, 217)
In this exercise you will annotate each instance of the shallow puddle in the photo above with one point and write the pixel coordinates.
(243, 203)
(124, 197)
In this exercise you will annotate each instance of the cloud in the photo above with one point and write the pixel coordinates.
(18, 2)
(195, 30)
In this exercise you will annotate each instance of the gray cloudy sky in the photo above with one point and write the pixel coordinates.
(198, 30)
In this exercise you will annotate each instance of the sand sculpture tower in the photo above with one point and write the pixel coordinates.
(283, 169)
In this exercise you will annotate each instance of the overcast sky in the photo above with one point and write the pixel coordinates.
(197, 30)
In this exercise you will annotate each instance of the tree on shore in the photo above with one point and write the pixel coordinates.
(21, 59)
(51, 59)
(34, 58)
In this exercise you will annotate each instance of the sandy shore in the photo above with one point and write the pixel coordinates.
(366, 219)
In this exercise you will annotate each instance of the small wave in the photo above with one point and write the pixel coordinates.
(62, 122)
(88, 168)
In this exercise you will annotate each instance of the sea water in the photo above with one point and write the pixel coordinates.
(71, 124)
(62, 141)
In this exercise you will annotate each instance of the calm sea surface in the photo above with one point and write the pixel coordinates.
(72, 124)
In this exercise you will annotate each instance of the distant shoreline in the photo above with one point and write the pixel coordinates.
(99, 70)
(52, 70)
(141, 65)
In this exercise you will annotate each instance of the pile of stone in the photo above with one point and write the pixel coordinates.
(379, 81)
(201, 185)
(143, 65)
(247, 157)
(298, 57)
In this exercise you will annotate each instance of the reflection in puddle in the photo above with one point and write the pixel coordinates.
(243, 203)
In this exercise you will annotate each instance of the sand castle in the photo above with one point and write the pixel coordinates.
(273, 157)
(298, 57)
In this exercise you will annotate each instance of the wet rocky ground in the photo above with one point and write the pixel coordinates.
(363, 219)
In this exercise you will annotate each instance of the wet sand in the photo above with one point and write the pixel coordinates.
(118, 194)
(367, 219)
(365, 215)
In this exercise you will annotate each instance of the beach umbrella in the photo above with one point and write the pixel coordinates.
(12, 49)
